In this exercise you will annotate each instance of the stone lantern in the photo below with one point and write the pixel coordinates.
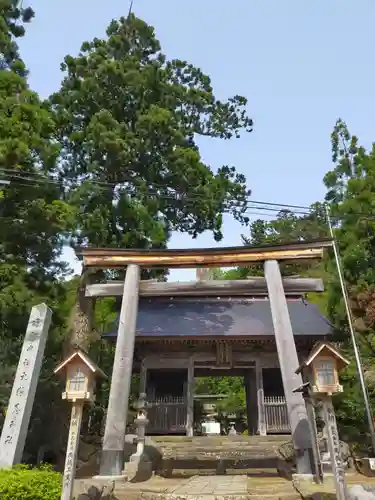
(139, 467)
(141, 423)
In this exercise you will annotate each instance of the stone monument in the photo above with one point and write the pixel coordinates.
(13, 436)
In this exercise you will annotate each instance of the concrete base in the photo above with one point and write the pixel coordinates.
(104, 479)
(138, 469)
(112, 462)
(303, 464)
(302, 477)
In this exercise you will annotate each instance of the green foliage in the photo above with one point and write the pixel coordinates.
(350, 194)
(127, 121)
(11, 27)
(232, 387)
(288, 227)
(33, 219)
(22, 483)
(111, 159)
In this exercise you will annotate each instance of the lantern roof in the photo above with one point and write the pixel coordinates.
(79, 354)
(320, 348)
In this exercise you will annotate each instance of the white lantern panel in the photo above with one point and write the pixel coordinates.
(77, 382)
(325, 372)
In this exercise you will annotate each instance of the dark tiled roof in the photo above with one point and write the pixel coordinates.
(222, 317)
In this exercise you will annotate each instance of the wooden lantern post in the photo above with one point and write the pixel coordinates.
(81, 374)
(320, 372)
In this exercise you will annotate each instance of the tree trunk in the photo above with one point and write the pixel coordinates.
(81, 333)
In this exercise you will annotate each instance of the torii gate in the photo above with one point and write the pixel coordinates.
(112, 460)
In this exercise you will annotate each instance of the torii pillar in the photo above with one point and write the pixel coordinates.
(112, 459)
(288, 359)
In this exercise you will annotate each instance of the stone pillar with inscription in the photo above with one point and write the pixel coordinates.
(13, 436)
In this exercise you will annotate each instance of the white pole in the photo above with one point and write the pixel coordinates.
(72, 451)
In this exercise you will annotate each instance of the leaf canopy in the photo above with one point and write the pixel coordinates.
(128, 119)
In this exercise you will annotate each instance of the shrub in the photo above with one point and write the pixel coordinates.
(24, 483)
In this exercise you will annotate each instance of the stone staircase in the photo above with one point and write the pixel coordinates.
(253, 455)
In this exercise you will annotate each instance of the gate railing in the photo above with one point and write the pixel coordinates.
(167, 415)
(277, 419)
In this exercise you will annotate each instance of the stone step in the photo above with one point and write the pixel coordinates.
(178, 468)
(219, 447)
(241, 453)
(247, 446)
(236, 437)
(228, 444)
(204, 488)
(218, 456)
(171, 440)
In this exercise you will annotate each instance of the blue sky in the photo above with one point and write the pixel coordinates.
(300, 64)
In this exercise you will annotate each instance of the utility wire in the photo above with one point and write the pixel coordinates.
(35, 180)
(35, 175)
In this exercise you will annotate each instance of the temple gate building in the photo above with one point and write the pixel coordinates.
(171, 333)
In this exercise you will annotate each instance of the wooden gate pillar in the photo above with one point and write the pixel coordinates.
(112, 459)
(288, 360)
(143, 378)
(190, 399)
(251, 401)
(262, 424)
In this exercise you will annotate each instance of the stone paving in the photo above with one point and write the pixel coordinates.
(213, 485)
(231, 487)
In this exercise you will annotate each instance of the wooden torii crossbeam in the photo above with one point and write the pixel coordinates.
(250, 286)
(111, 258)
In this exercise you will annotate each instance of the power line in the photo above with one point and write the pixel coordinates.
(35, 179)
(34, 176)
(245, 209)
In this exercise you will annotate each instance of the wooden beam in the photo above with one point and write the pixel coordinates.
(251, 286)
(109, 258)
